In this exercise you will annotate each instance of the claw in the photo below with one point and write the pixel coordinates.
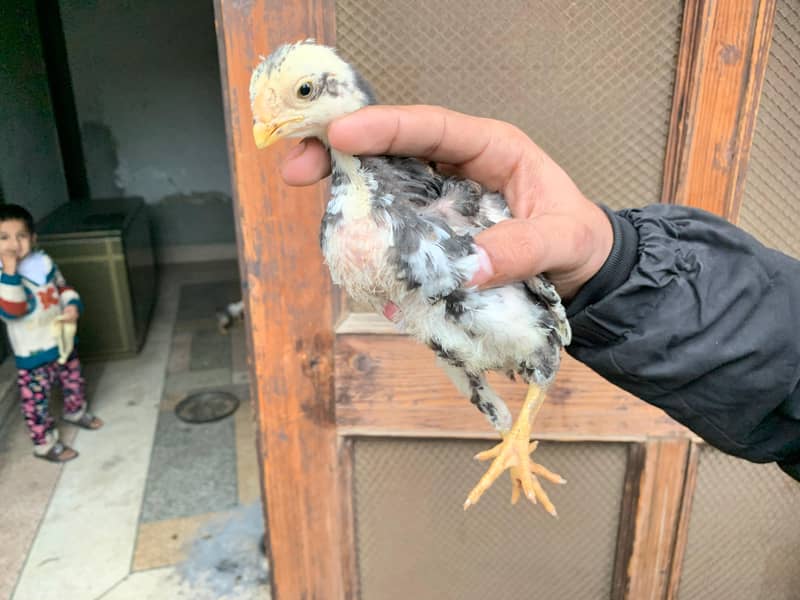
(497, 467)
(542, 495)
(514, 453)
(547, 474)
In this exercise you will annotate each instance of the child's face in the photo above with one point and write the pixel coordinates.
(15, 239)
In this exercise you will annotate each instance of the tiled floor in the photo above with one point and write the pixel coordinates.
(154, 507)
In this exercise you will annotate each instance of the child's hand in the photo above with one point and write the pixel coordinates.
(10, 261)
(70, 313)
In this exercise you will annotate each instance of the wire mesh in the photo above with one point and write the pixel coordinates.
(744, 533)
(771, 210)
(415, 541)
(590, 82)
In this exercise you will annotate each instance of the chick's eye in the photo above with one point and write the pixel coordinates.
(305, 89)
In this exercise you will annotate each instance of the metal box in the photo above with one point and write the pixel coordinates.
(104, 250)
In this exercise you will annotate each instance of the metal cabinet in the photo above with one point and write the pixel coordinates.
(103, 248)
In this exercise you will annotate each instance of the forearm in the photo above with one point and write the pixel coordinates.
(693, 315)
(14, 300)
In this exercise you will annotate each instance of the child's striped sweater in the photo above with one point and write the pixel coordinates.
(30, 302)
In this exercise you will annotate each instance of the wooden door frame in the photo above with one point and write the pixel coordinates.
(721, 68)
(309, 370)
(289, 306)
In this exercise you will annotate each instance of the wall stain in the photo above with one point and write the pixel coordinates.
(100, 148)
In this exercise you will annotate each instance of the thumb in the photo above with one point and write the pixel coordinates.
(306, 163)
(518, 249)
(508, 251)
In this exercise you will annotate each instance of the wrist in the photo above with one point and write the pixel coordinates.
(615, 269)
(596, 237)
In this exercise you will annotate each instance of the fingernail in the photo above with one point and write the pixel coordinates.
(296, 151)
(485, 270)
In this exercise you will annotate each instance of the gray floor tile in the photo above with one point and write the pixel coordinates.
(192, 469)
(210, 350)
(190, 381)
(201, 300)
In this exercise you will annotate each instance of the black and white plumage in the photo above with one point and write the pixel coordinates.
(230, 313)
(395, 230)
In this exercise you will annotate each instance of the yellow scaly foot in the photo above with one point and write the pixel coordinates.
(513, 453)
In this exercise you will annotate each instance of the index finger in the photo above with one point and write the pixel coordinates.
(484, 149)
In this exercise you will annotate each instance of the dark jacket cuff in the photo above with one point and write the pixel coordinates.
(792, 470)
(614, 272)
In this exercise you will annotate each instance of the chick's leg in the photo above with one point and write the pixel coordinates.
(513, 453)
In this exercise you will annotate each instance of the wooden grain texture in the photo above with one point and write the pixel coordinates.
(360, 322)
(691, 28)
(658, 509)
(627, 520)
(682, 533)
(721, 69)
(350, 581)
(289, 314)
(391, 385)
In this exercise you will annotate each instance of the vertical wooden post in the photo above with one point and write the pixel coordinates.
(654, 495)
(721, 69)
(289, 313)
(682, 533)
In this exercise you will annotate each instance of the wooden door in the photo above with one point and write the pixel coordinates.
(330, 380)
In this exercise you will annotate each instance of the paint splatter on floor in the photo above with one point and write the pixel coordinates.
(225, 559)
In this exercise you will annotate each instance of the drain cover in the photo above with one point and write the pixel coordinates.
(205, 407)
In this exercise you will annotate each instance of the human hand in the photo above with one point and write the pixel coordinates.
(556, 229)
(10, 261)
(70, 314)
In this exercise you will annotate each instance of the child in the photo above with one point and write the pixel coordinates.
(39, 310)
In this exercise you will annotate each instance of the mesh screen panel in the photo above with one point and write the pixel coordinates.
(591, 82)
(771, 209)
(415, 541)
(744, 532)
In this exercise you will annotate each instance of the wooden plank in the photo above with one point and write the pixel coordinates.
(626, 534)
(290, 315)
(358, 322)
(721, 70)
(348, 519)
(762, 40)
(391, 385)
(691, 28)
(682, 534)
(660, 496)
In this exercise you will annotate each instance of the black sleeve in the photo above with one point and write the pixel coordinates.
(695, 316)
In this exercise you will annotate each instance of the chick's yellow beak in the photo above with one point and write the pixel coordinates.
(266, 134)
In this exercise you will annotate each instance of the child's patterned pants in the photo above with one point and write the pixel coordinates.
(34, 387)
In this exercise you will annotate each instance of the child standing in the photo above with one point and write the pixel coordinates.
(40, 310)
